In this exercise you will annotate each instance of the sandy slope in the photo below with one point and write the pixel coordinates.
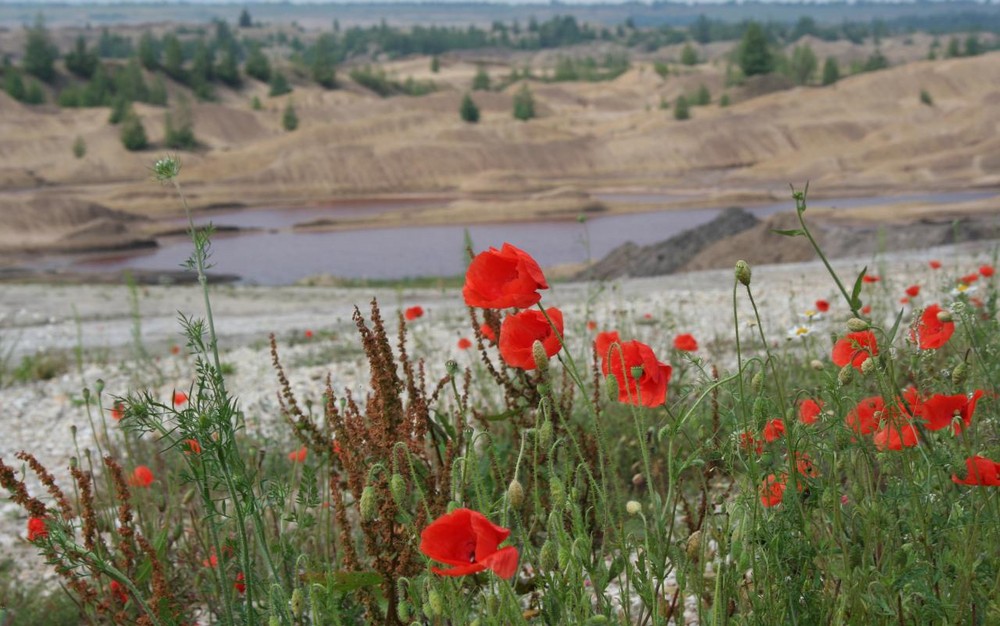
(867, 134)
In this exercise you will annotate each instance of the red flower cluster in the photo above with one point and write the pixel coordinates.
(623, 360)
(141, 476)
(298, 456)
(773, 430)
(931, 332)
(981, 471)
(117, 411)
(855, 348)
(413, 313)
(470, 543)
(520, 331)
(505, 278)
(892, 426)
(809, 410)
(685, 343)
(37, 528)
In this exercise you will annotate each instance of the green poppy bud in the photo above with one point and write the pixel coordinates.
(743, 272)
(856, 325)
(435, 602)
(959, 374)
(397, 487)
(611, 386)
(541, 359)
(545, 435)
(757, 382)
(548, 558)
(368, 504)
(515, 494)
(298, 603)
(846, 375)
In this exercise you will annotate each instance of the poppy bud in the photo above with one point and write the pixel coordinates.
(403, 610)
(636, 372)
(611, 386)
(545, 435)
(368, 505)
(86, 394)
(74, 462)
(759, 408)
(868, 366)
(694, 545)
(557, 492)
(548, 557)
(436, 602)
(846, 375)
(564, 557)
(397, 487)
(757, 382)
(99, 385)
(944, 316)
(857, 325)
(298, 603)
(515, 494)
(451, 366)
(816, 364)
(958, 374)
(632, 507)
(743, 272)
(540, 357)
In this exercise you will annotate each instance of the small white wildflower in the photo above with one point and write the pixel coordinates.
(962, 289)
(799, 330)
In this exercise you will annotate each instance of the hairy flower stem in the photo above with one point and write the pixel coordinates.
(800, 208)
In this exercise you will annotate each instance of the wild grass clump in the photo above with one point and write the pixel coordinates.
(575, 472)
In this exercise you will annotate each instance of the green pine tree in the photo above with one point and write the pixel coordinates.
(755, 56)
(173, 57)
(803, 64)
(703, 96)
(228, 69)
(178, 127)
(289, 119)
(279, 85)
(39, 52)
(257, 65)
(79, 147)
(81, 61)
(133, 134)
(149, 51)
(831, 71)
(120, 107)
(469, 111)
(524, 104)
(435, 64)
(681, 110)
(245, 21)
(481, 81)
(689, 56)
(324, 61)
(34, 94)
(13, 84)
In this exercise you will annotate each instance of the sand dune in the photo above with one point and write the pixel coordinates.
(868, 133)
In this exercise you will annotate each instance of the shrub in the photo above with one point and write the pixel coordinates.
(689, 56)
(755, 55)
(81, 61)
(120, 108)
(703, 96)
(179, 127)
(289, 119)
(133, 134)
(724, 100)
(481, 81)
(925, 98)
(681, 111)
(40, 53)
(524, 104)
(831, 71)
(79, 147)
(279, 85)
(468, 110)
(34, 94)
(257, 66)
(435, 64)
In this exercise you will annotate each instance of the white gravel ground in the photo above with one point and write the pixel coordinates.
(36, 416)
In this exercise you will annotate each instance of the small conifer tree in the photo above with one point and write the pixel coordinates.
(179, 127)
(133, 133)
(119, 110)
(524, 104)
(469, 111)
(681, 110)
(831, 71)
(289, 119)
(255, 104)
(689, 56)
(481, 81)
(279, 85)
(703, 97)
(79, 147)
(435, 64)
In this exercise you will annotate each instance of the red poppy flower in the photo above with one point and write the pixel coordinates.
(861, 419)
(179, 398)
(468, 541)
(750, 443)
(896, 435)
(591, 325)
(913, 291)
(935, 264)
(487, 331)
(809, 410)
(308, 334)
(604, 341)
(239, 585)
(866, 309)
(685, 343)
(822, 306)
(142, 476)
(212, 560)
(904, 300)
(651, 387)
(968, 279)
(464, 343)
(855, 348)
(774, 430)
(940, 410)
(986, 270)
(174, 349)
(192, 446)
(520, 331)
(498, 279)
(931, 333)
(298, 456)
(870, 278)
(36, 528)
(413, 313)
(804, 465)
(117, 411)
(119, 592)
(772, 489)
(981, 471)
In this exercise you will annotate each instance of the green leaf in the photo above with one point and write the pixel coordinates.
(895, 326)
(791, 232)
(856, 291)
